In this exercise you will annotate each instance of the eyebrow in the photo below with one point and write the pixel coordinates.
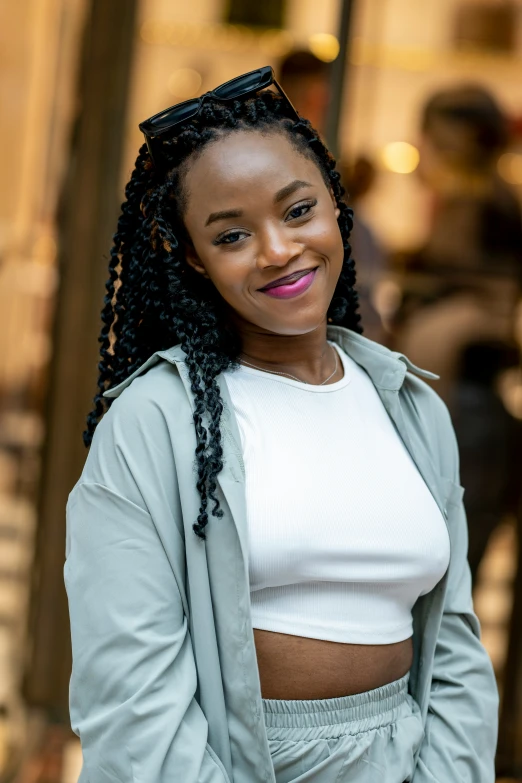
(288, 190)
(224, 215)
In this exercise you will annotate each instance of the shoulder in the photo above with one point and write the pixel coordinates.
(157, 376)
(148, 403)
(427, 398)
(157, 381)
(132, 451)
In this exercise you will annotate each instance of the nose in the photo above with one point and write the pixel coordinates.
(277, 248)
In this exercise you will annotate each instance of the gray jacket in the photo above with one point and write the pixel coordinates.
(165, 686)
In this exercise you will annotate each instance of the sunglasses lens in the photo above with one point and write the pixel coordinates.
(250, 82)
(161, 122)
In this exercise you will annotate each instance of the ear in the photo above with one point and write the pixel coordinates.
(337, 211)
(193, 260)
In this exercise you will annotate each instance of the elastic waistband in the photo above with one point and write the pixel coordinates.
(325, 718)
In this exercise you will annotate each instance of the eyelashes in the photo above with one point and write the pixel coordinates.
(295, 213)
(307, 206)
(229, 239)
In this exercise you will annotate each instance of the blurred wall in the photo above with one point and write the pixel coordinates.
(87, 217)
(38, 59)
(38, 45)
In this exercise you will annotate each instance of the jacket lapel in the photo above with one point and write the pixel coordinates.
(232, 477)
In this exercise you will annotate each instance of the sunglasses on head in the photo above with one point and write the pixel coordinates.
(162, 125)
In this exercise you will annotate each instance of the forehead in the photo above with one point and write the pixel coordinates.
(245, 164)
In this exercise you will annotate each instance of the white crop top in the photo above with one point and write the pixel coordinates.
(344, 534)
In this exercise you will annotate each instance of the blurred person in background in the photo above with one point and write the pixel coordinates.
(472, 265)
(306, 80)
(476, 223)
(471, 261)
(258, 568)
(489, 440)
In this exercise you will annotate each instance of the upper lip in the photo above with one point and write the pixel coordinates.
(288, 278)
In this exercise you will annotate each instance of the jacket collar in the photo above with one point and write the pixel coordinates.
(386, 368)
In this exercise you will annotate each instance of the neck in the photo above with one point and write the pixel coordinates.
(307, 356)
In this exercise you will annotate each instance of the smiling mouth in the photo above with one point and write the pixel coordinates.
(288, 280)
(291, 286)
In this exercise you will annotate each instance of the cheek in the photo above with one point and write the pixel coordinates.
(228, 271)
(325, 238)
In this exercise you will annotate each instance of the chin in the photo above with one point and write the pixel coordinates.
(293, 326)
(286, 317)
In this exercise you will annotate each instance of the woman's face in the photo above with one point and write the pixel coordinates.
(259, 211)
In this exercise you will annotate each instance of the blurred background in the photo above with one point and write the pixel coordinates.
(421, 103)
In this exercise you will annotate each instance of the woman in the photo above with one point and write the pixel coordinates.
(258, 546)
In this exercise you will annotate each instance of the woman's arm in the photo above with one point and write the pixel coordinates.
(133, 684)
(133, 679)
(461, 729)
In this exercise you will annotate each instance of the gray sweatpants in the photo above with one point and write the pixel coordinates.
(367, 738)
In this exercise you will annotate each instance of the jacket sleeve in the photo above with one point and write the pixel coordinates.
(461, 730)
(133, 679)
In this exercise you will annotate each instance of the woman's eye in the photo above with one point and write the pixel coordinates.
(230, 238)
(300, 210)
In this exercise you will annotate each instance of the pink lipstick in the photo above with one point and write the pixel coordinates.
(296, 285)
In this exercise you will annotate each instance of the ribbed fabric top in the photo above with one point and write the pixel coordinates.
(344, 534)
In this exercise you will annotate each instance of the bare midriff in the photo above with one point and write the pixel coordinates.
(295, 667)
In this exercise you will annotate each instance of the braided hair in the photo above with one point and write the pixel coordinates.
(155, 300)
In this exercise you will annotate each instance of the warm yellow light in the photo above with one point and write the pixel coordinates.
(230, 37)
(324, 46)
(359, 52)
(245, 38)
(44, 249)
(510, 167)
(387, 298)
(509, 386)
(400, 157)
(184, 83)
(276, 43)
(155, 32)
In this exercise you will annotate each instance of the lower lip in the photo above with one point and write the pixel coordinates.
(292, 289)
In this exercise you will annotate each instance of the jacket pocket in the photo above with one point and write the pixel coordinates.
(212, 770)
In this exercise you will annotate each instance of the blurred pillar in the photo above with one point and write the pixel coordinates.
(338, 78)
(86, 221)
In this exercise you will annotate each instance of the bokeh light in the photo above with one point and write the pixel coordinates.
(400, 157)
(509, 167)
(184, 83)
(324, 46)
